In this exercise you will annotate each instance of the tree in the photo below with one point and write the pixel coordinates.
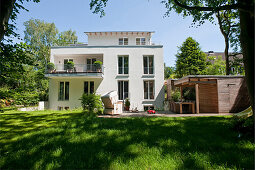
(40, 36)
(216, 66)
(169, 72)
(229, 23)
(67, 37)
(191, 60)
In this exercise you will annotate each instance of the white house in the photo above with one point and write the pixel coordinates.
(132, 65)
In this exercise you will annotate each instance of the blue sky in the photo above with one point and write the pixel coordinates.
(125, 15)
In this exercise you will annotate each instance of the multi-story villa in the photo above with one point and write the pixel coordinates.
(131, 65)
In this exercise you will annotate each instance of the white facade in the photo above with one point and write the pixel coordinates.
(104, 47)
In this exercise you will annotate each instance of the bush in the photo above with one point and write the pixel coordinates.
(26, 98)
(98, 64)
(50, 66)
(176, 95)
(189, 93)
(91, 102)
(70, 65)
(243, 125)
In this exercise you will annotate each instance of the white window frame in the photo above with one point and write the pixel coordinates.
(64, 91)
(123, 68)
(140, 41)
(123, 90)
(149, 90)
(123, 40)
(148, 62)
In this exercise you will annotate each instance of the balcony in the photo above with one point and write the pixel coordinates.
(79, 70)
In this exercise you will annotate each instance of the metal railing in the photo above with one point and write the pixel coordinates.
(78, 68)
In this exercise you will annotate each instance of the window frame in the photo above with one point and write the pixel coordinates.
(123, 40)
(65, 96)
(123, 91)
(140, 40)
(148, 65)
(148, 90)
(123, 65)
(89, 87)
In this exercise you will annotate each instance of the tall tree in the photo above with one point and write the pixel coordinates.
(228, 22)
(40, 36)
(216, 66)
(67, 37)
(168, 72)
(191, 60)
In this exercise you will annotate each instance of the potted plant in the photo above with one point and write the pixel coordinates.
(98, 65)
(127, 104)
(69, 66)
(50, 67)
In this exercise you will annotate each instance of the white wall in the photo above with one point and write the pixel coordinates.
(110, 80)
(104, 40)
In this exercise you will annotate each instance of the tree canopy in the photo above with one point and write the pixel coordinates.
(191, 60)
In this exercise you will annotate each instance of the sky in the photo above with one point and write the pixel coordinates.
(125, 15)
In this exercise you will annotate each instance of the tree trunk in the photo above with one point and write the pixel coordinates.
(227, 56)
(6, 7)
(247, 44)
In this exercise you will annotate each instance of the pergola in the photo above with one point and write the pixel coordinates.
(197, 82)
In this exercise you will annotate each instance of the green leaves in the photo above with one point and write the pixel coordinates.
(190, 59)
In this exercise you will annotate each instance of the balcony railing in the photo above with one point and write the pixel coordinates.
(78, 68)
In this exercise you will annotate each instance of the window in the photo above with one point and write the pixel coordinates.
(123, 41)
(149, 89)
(90, 64)
(123, 65)
(89, 87)
(140, 41)
(63, 91)
(123, 90)
(148, 65)
(65, 62)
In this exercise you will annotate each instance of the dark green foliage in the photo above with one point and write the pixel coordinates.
(244, 126)
(191, 60)
(50, 66)
(91, 102)
(169, 72)
(26, 98)
(127, 102)
(189, 93)
(176, 95)
(70, 65)
(98, 64)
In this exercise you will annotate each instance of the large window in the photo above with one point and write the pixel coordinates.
(149, 89)
(90, 64)
(89, 87)
(123, 41)
(123, 65)
(140, 41)
(123, 90)
(63, 91)
(148, 65)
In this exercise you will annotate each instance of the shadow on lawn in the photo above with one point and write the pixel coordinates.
(78, 141)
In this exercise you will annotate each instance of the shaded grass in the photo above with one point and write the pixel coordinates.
(74, 140)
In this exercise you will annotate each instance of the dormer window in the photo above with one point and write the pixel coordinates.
(123, 41)
(140, 41)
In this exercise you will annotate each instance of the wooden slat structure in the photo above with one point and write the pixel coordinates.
(217, 94)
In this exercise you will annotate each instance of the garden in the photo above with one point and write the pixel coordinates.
(79, 140)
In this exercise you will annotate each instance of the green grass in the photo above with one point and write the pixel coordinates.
(74, 140)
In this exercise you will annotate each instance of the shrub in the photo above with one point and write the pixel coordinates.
(91, 102)
(26, 98)
(50, 66)
(189, 93)
(127, 102)
(70, 65)
(98, 64)
(243, 125)
(176, 95)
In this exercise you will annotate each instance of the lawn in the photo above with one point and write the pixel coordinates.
(74, 140)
